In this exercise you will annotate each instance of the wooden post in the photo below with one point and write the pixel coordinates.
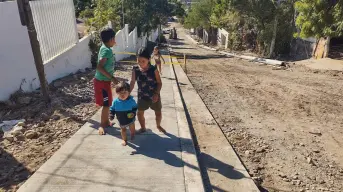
(185, 62)
(27, 20)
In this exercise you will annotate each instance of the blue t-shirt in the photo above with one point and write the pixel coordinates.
(123, 109)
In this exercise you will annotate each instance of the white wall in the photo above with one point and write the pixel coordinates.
(130, 42)
(16, 61)
(76, 58)
(223, 37)
(17, 66)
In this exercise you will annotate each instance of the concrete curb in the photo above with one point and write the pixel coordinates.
(246, 184)
(192, 174)
(250, 58)
(193, 40)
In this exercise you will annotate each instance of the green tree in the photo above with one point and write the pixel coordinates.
(200, 15)
(145, 15)
(103, 11)
(249, 22)
(81, 5)
(320, 18)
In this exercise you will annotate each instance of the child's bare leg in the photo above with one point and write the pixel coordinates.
(158, 115)
(159, 67)
(132, 131)
(104, 120)
(141, 119)
(124, 136)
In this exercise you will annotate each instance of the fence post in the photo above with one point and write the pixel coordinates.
(25, 10)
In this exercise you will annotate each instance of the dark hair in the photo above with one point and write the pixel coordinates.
(107, 34)
(122, 86)
(158, 51)
(144, 52)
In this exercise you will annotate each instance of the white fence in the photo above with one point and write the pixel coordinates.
(17, 68)
(55, 23)
(130, 42)
(223, 38)
(205, 36)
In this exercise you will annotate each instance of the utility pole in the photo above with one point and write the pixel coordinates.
(122, 10)
(27, 20)
(272, 45)
(160, 28)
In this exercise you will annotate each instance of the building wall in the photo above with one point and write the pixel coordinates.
(55, 23)
(17, 67)
(16, 60)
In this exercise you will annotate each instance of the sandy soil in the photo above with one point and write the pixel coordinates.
(286, 125)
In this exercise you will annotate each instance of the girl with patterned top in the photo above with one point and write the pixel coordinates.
(149, 87)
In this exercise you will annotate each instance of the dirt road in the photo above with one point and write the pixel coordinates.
(286, 125)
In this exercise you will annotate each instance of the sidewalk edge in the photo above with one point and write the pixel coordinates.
(250, 58)
(192, 173)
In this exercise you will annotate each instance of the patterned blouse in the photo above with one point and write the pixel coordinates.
(147, 84)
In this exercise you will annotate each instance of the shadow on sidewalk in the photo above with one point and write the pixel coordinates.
(163, 148)
(154, 146)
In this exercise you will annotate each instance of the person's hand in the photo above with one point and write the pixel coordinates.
(155, 98)
(114, 80)
(130, 115)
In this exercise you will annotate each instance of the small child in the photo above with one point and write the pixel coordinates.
(124, 107)
(157, 57)
(104, 76)
(149, 87)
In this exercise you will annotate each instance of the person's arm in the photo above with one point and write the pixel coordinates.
(104, 55)
(112, 111)
(134, 107)
(162, 59)
(102, 70)
(133, 80)
(159, 86)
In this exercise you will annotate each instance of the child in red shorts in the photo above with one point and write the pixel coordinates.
(104, 76)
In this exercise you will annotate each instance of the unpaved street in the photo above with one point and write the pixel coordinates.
(286, 125)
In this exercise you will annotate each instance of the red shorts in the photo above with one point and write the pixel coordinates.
(103, 93)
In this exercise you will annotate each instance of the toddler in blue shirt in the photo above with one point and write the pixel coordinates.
(125, 108)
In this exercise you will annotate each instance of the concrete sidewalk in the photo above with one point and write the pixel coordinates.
(153, 162)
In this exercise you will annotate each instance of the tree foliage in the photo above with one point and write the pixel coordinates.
(320, 18)
(200, 15)
(250, 23)
(145, 15)
(81, 5)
